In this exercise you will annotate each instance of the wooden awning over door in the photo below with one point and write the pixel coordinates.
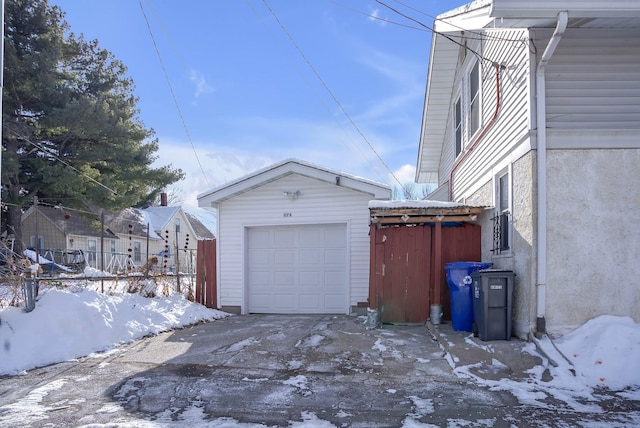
(425, 214)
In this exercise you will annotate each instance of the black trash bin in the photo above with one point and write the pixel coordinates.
(492, 296)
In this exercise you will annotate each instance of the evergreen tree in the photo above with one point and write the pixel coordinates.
(71, 133)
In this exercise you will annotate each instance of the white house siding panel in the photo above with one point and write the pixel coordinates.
(509, 49)
(593, 243)
(318, 203)
(593, 79)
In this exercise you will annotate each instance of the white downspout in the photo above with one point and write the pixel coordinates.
(541, 111)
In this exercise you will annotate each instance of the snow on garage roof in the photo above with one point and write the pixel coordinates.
(407, 203)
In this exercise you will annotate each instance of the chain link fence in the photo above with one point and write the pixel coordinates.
(63, 248)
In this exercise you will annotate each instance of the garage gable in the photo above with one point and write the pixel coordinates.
(287, 167)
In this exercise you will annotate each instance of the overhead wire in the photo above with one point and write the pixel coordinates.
(330, 92)
(56, 157)
(368, 15)
(173, 95)
(320, 100)
(446, 36)
(481, 36)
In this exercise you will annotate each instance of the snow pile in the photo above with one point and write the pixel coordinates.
(75, 322)
(605, 351)
(602, 353)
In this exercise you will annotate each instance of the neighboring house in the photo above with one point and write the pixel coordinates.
(134, 245)
(66, 236)
(293, 238)
(69, 238)
(533, 109)
(201, 231)
(179, 237)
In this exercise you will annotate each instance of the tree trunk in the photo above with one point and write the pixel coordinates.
(14, 228)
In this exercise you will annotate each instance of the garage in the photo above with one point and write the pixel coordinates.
(293, 238)
(297, 269)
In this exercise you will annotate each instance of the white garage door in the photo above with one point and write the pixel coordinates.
(297, 269)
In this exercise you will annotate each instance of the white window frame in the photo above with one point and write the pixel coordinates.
(503, 206)
(466, 100)
(474, 99)
(137, 251)
(37, 242)
(458, 125)
(92, 249)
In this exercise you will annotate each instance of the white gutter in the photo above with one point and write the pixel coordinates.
(541, 111)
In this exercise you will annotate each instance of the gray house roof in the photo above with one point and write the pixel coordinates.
(202, 232)
(160, 217)
(126, 220)
(130, 220)
(72, 221)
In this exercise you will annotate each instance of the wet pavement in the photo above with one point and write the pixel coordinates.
(280, 371)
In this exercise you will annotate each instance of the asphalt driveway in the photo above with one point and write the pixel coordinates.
(265, 370)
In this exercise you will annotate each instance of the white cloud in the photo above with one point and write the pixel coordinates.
(202, 87)
(206, 168)
(375, 17)
(406, 173)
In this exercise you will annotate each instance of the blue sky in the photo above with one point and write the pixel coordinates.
(232, 92)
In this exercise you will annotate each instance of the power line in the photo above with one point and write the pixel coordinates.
(56, 157)
(481, 36)
(321, 101)
(335, 99)
(368, 15)
(446, 36)
(173, 95)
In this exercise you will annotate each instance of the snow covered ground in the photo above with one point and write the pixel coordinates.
(605, 352)
(77, 321)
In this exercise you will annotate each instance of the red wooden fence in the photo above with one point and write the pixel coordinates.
(407, 272)
(206, 274)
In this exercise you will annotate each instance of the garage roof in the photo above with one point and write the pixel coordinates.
(288, 167)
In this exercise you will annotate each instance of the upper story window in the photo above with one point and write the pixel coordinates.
(458, 125)
(177, 224)
(466, 109)
(474, 99)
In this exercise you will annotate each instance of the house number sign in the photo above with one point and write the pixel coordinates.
(287, 215)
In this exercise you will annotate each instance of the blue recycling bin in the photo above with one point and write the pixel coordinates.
(461, 292)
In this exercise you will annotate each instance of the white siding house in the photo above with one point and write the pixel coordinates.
(179, 241)
(293, 238)
(546, 136)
